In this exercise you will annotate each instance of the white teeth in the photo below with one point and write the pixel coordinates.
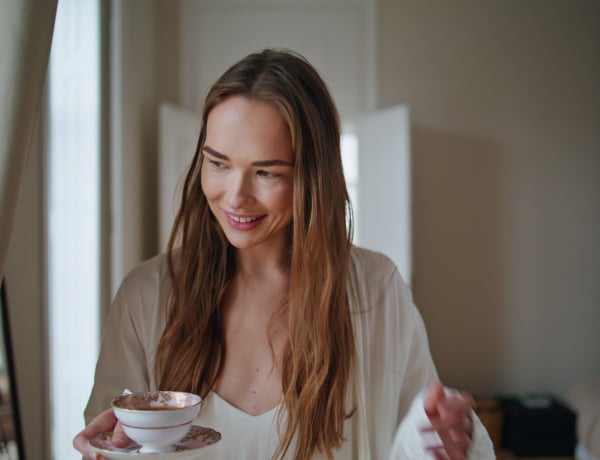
(243, 220)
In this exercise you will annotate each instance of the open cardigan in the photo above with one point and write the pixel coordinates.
(393, 367)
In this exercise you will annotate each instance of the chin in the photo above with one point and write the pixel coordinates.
(239, 243)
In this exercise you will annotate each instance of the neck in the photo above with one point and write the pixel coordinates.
(261, 262)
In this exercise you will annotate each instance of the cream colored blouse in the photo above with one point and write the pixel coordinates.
(394, 366)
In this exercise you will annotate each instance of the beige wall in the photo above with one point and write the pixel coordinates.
(505, 99)
(505, 103)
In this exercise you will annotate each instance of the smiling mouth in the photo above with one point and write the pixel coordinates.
(243, 220)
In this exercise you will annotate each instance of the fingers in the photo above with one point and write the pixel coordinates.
(81, 443)
(119, 438)
(435, 394)
(455, 446)
(450, 416)
(105, 421)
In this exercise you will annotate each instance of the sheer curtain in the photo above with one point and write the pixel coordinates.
(26, 28)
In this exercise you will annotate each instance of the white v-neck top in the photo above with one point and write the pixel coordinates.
(393, 367)
(255, 436)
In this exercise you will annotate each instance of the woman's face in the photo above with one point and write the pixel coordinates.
(247, 172)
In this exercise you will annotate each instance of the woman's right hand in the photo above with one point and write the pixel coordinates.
(105, 421)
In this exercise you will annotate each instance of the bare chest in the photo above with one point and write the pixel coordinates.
(255, 338)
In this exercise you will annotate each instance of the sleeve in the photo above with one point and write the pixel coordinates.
(409, 441)
(122, 362)
(393, 353)
(420, 369)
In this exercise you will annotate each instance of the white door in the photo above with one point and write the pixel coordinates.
(384, 190)
(335, 35)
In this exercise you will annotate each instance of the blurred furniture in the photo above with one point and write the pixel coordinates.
(584, 397)
(491, 414)
(538, 427)
(507, 455)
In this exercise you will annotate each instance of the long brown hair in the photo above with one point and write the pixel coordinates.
(319, 355)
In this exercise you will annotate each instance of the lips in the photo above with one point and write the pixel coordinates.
(243, 222)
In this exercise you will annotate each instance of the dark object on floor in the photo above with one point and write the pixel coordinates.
(538, 427)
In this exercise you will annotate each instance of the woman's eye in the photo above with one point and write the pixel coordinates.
(216, 164)
(267, 174)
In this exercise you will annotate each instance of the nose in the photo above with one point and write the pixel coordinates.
(239, 191)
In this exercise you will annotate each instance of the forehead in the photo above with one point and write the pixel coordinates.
(241, 124)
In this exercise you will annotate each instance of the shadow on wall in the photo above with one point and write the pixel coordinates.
(458, 256)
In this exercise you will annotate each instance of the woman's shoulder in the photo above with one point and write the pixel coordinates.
(371, 265)
(146, 279)
(151, 268)
(384, 316)
(374, 279)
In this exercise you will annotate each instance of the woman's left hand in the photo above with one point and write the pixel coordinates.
(451, 418)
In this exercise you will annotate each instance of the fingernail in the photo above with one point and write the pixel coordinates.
(91, 455)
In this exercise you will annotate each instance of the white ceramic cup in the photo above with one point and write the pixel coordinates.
(156, 420)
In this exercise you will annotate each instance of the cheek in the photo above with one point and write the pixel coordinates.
(283, 201)
(208, 186)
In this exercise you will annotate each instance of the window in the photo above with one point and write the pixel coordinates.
(73, 186)
(349, 147)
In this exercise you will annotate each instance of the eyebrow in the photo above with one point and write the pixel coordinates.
(263, 163)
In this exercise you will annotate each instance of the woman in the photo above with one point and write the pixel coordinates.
(303, 346)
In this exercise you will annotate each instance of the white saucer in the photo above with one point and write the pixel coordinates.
(196, 442)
